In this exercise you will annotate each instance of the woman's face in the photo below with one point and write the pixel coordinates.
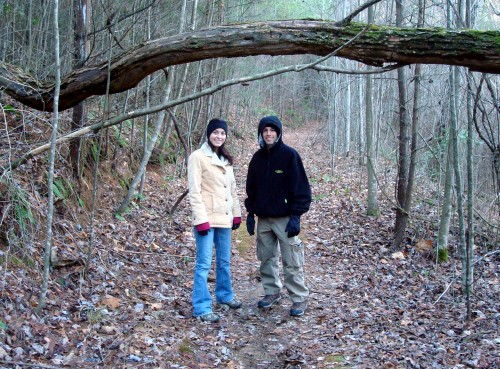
(217, 137)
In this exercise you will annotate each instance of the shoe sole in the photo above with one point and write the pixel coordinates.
(199, 318)
(209, 321)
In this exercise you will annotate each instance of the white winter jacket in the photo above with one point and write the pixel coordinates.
(212, 189)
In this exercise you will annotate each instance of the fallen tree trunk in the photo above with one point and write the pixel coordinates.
(476, 50)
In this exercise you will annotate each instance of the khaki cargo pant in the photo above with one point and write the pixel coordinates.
(271, 235)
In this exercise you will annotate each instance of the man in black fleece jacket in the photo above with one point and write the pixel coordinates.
(278, 193)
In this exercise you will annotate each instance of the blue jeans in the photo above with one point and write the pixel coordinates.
(202, 300)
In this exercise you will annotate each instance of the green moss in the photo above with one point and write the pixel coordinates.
(96, 316)
(185, 347)
(335, 361)
(319, 197)
(243, 241)
(17, 262)
(442, 255)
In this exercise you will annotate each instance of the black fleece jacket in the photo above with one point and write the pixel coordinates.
(277, 183)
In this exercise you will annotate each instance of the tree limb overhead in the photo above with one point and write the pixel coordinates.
(476, 50)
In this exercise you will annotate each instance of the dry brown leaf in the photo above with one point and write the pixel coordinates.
(398, 256)
(108, 329)
(156, 306)
(111, 302)
(423, 245)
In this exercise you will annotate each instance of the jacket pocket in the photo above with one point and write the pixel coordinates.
(217, 204)
(208, 201)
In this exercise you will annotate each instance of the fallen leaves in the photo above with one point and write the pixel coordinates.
(111, 302)
(369, 307)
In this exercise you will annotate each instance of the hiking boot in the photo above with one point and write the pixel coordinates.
(209, 317)
(269, 300)
(233, 304)
(298, 308)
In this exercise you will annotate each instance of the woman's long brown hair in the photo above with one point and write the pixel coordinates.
(222, 152)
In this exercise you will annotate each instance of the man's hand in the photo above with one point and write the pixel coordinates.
(251, 224)
(293, 226)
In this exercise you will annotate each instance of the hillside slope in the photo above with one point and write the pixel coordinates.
(369, 307)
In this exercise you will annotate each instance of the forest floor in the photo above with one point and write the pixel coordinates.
(369, 307)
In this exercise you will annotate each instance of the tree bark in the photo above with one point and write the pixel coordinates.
(455, 91)
(469, 246)
(477, 50)
(445, 216)
(50, 183)
(81, 19)
(371, 162)
(404, 140)
(148, 149)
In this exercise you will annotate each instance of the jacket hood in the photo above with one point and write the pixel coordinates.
(270, 121)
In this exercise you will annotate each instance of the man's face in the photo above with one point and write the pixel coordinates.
(269, 135)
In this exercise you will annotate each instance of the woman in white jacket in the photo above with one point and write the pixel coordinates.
(216, 210)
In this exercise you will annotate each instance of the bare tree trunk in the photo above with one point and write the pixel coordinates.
(403, 162)
(145, 159)
(332, 113)
(455, 103)
(444, 219)
(347, 139)
(50, 184)
(329, 84)
(106, 110)
(403, 213)
(361, 133)
(455, 89)
(469, 246)
(146, 120)
(347, 98)
(3, 31)
(444, 222)
(81, 11)
(372, 206)
(173, 69)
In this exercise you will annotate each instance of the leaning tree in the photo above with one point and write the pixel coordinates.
(377, 46)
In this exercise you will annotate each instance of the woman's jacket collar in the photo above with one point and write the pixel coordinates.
(207, 150)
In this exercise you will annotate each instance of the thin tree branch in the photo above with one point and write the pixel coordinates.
(176, 125)
(121, 19)
(156, 108)
(349, 18)
(474, 116)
